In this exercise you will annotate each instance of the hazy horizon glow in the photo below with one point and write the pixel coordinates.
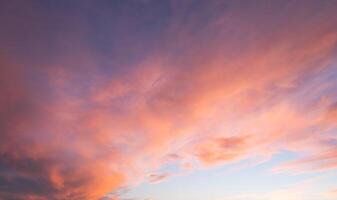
(168, 100)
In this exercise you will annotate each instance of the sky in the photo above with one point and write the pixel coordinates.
(168, 100)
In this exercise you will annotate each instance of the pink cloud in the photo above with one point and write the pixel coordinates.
(81, 133)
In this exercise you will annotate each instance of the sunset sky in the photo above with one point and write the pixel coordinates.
(168, 100)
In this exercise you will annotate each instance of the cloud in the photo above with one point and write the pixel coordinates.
(318, 161)
(208, 82)
(332, 193)
(222, 149)
(156, 178)
(300, 190)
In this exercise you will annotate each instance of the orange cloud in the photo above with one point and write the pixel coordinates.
(222, 149)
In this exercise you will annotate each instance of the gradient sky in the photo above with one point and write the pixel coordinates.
(168, 100)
